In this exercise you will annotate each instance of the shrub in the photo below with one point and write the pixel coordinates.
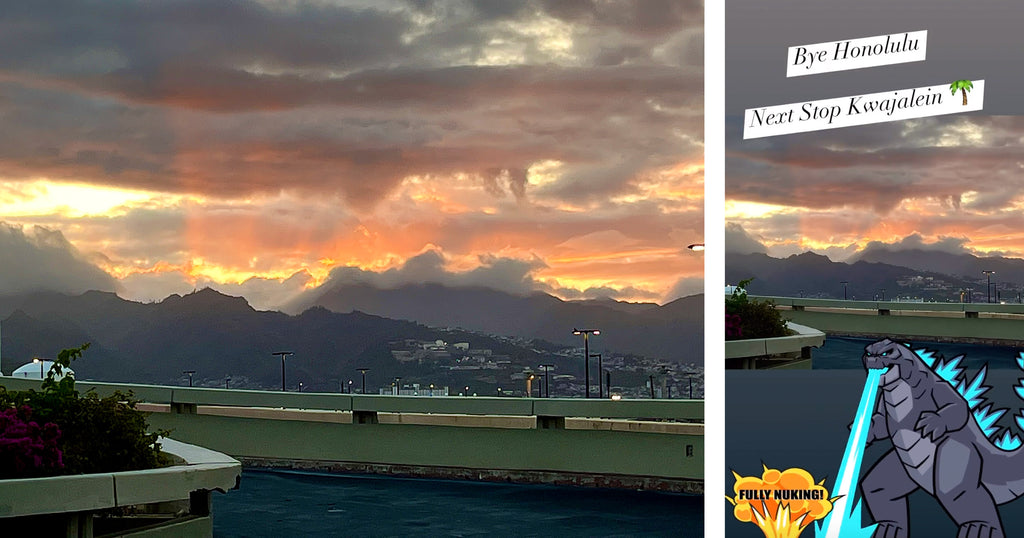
(745, 318)
(27, 449)
(97, 434)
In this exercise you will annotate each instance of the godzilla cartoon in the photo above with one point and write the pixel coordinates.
(925, 407)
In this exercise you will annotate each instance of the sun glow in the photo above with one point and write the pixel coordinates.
(45, 197)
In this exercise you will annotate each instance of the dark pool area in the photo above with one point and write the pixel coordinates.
(286, 503)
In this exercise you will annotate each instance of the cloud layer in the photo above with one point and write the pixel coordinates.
(256, 140)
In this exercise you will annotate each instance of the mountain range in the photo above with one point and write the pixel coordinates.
(671, 331)
(219, 335)
(915, 273)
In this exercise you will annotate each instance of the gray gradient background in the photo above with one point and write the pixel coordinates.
(966, 40)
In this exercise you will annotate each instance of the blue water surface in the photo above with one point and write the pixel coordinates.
(285, 503)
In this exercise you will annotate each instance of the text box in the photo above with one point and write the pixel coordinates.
(856, 53)
(861, 110)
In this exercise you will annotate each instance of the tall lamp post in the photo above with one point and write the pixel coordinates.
(547, 386)
(586, 353)
(844, 283)
(398, 385)
(988, 286)
(363, 371)
(40, 361)
(189, 372)
(600, 368)
(282, 354)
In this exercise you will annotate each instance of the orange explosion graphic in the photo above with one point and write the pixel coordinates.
(783, 503)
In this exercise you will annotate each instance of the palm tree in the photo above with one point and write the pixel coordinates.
(964, 86)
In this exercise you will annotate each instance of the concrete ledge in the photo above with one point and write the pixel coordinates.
(185, 399)
(201, 470)
(676, 428)
(308, 415)
(466, 421)
(762, 347)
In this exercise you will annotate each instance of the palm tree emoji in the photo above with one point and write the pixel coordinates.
(964, 86)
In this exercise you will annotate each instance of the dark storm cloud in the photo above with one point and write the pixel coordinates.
(42, 259)
(738, 240)
(504, 274)
(969, 163)
(227, 97)
(949, 245)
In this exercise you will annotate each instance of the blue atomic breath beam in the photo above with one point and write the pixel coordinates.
(844, 521)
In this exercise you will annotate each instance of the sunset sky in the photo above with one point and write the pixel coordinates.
(953, 183)
(255, 146)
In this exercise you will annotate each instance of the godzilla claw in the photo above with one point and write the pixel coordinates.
(979, 529)
(930, 425)
(889, 529)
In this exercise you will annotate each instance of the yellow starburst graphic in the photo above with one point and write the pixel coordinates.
(781, 503)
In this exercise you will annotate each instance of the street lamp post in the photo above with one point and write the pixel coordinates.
(350, 386)
(586, 353)
(883, 293)
(227, 380)
(608, 382)
(300, 386)
(651, 380)
(844, 283)
(547, 386)
(282, 354)
(600, 368)
(398, 385)
(189, 372)
(363, 371)
(40, 361)
(988, 285)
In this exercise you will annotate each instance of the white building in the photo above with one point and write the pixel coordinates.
(37, 369)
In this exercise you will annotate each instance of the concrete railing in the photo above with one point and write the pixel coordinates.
(983, 323)
(656, 444)
(175, 500)
(792, 351)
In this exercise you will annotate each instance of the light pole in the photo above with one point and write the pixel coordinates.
(282, 354)
(189, 372)
(398, 386)
(363, 371)
(883, 293)
(300, 386)
(608, 382)
(350, 386)
(40, 361)
(988, 286)
(586, 353)
(600, 368)
(690, 379)
(226, 381)
(547, 387)
(844, 283)
(467, 390)
(651, 380)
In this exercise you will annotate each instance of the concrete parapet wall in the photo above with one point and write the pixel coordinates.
(653, 442)
(68, 502)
